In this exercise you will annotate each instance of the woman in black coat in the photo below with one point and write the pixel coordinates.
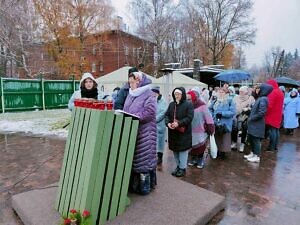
(256, 122)
(179, 117)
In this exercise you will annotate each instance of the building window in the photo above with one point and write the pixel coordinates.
(94, 67)
(94, 50)
(101, 67)
(126, 49)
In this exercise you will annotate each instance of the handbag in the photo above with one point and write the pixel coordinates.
(179, 129)
(213, 147)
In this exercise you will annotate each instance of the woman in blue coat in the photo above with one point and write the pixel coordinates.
(291, 111)
(160, 123)
(223, 110)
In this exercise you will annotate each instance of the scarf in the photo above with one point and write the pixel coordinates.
(221, 100)
(242, 102)
(198, 103)
(89, 93)
(140, 90)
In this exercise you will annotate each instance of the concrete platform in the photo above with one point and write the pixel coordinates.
(173, 202)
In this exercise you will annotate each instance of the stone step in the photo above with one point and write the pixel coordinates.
(173, 202)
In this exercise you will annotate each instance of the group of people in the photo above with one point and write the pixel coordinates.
(234, 117)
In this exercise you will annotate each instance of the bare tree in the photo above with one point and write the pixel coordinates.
(15, 33)
(155, 22)
(225, 22)
(239, 60)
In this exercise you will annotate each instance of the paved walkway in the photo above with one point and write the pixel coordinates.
(265, 193)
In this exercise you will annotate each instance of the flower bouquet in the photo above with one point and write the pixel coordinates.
(77, 218)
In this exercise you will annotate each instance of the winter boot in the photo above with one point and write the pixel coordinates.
(180, 173)
(175, 171)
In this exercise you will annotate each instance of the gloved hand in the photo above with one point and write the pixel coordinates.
(219, 115)
(247, 113)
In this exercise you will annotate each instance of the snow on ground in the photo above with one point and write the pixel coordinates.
(45, 123)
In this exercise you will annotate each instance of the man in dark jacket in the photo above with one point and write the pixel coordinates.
(256, 122)
(119, 103)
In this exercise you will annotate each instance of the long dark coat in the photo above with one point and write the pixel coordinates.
(184, 114)
(256, 120)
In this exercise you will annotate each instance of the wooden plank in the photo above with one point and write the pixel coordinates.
(92, 134)
(91, 158)
(68, 165)
(128, 166)
(77, 191)
(111, 169)
(96, 189)
(65, 160)
(120, 168)
(73, 160)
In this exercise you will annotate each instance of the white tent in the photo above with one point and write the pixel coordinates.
(166, 83)
(116, 78)
(176, 79)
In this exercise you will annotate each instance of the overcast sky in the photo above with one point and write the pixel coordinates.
(277, 22)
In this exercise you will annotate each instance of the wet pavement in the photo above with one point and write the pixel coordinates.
(265, 193)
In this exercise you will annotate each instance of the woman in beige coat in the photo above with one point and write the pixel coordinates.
(243, 102)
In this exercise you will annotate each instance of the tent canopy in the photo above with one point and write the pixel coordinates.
(167, 82)
(117, 78)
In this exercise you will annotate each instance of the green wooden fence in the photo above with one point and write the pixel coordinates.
(38, 94)
(97, 164)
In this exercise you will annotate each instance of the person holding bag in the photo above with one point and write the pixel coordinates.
(179, 116)
(202, 127)
(223, 110)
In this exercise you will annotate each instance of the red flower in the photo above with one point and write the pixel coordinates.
(67, 222)
(85, 213)
(73, 211)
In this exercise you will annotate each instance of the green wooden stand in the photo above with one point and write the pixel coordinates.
(97, 164)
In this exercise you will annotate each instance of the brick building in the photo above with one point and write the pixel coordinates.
(102, 54)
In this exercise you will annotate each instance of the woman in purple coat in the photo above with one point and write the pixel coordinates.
(142, 103)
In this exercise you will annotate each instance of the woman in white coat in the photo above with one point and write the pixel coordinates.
(88, 89)
(291, 112)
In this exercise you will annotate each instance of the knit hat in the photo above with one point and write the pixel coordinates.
(156, 89)
(137, 75)
(294, 90)
(193, 95)
(132, 69)
(282, 88)
(231, 88)
(177, 91)
(85, 76)
(197, 91)
(244, 89)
